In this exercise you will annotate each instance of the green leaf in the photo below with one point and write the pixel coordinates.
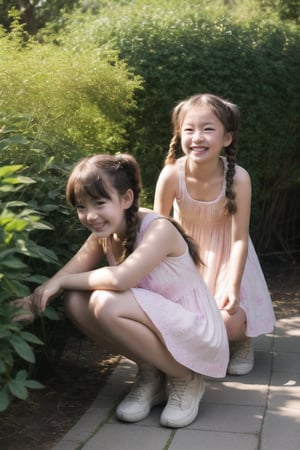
(15, 203)
(25, 180)
(8, 188)
(36, 251)
(39, 279)
(6, 252)
(21, 375)
(30, 213)
(18, 180)
(32, 384)
(29, 337)
(16, 225)
(11, 326)
(9, 170)
(17, 289)
(13, 263)
(50, 313)
(18, 389)
(49, 208)
(41, 226)
(22, 348)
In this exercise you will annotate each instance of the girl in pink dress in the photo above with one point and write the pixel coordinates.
(211, 199)
(150, 303)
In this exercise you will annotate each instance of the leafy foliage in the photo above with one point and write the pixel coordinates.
(78, 98)
(17, 220)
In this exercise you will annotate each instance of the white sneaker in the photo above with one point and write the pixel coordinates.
(241, 357)
(184, 398)
(148, 390)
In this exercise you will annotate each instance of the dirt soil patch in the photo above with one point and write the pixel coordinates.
(44, 419)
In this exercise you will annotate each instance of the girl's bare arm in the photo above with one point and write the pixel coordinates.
(165, 190)
(160, 240)
(88, 256)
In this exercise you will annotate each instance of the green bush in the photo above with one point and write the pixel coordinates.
(17, 221)
(78, 98)
(45, 194)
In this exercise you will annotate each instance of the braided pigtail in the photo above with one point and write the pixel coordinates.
(134, 176)
(173, 150)
(191, 243)
(129, 165)
(175, 144)
(231, 125)
(230, 172)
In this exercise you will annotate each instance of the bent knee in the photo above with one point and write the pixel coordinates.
(235, 325)
(101, 304)
(75, 303)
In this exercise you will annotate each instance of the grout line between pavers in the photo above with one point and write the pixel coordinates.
(98, 428)
(170, 440)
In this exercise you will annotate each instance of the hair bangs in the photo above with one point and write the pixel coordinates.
(84, 183)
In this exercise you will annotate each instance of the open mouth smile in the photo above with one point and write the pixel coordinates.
(199, 150)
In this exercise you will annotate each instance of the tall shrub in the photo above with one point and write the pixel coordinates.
(79, 98)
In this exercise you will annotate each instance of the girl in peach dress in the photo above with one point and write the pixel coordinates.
(211, 198)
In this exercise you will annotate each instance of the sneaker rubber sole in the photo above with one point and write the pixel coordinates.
(124, 414)
(240, 369)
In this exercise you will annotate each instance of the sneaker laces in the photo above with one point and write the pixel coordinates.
(177, 391)
(141, 385)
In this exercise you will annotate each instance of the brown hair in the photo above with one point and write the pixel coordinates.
(228, 114)
(95, 174)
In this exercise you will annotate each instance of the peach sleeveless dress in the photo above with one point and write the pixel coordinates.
(181, 307)
(211, 228)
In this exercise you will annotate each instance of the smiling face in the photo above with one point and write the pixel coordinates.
(202, 134)
(102, 188)
(104, 216)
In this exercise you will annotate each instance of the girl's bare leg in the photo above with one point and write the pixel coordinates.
(241, 347)
(118, 319)
(235, 325)
(76, 306)
(124, 323)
